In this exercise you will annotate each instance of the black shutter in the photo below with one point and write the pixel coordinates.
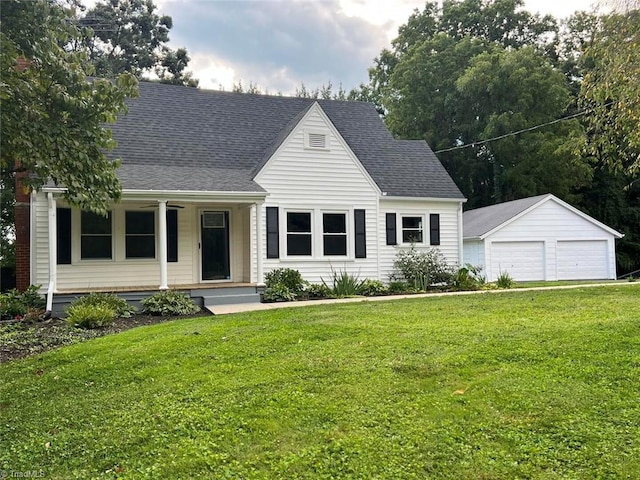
(273, 241)
(63, 235)
(434, 225)
(361, 233)
(391, 229)
(172, 235)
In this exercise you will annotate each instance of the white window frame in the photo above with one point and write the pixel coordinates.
(284, 242)
(401, 229)
(310, 132)
(348, 238)
(155, 235)
(76, 242)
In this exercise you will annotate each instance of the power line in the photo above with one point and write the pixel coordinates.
(512, 134)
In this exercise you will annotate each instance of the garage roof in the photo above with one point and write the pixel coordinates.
(480, 222)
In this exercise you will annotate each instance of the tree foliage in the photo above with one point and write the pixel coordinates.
(52, 117)
(129, 36)
(476, 70)
(611, 89)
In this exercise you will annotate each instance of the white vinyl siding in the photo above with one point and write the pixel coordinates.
(449, 237)
(561, 230)
(319, 181)
(118, 272)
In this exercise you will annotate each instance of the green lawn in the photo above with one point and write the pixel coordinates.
(511, 385)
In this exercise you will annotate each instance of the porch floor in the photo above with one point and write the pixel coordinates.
(147, 288)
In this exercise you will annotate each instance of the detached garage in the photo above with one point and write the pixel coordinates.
(539, 238)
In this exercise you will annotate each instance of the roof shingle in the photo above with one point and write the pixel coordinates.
(190, 139)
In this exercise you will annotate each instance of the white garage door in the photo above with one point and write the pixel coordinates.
(522, 260)
(582, 260)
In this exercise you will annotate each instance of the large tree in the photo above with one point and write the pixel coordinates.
(611, 89)
(476, 70)
(52, 117)
(129, 36)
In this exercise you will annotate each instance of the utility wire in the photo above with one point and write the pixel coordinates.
(512, 134)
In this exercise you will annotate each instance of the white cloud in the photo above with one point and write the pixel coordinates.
(211, 72)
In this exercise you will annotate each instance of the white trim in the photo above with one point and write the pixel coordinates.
(283, 238)
(551, 197)
(258, 229)
(349, 239)
(162, 244)
(314, 131)
(332, 129)
(33, 264)
(192, 196)
(399, 228)
(421, 199)
(201, 211)
(460, 239)
(53, 250)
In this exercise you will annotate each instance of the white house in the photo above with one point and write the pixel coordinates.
(221, 187)
(539, 238)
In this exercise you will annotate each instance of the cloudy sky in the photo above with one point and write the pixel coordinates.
(278, 44)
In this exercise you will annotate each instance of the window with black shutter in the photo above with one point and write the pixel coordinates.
(273, 246)
(140, 239)
(391, 229)
(360, 233)
(172, 235)
(434, 226)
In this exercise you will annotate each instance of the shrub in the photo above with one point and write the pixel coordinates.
(344, 284)
(15, 304)
(398, 286)
(318, 290)
(90, 316)
(422, 269)
(372, 288)
(117, 304)
(468, 277)
(278, 292)
(504, 280)
(169, 302)
(283, 285)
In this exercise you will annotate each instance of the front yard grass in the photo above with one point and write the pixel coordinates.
(516, 385)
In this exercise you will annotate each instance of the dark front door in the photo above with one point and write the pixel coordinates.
(214, 246)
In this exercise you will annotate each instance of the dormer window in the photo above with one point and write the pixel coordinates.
(316, 140)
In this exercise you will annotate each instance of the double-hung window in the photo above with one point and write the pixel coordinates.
(334, 234)
(140, 238)
(95, 236)
(412, 229)
(299, 233)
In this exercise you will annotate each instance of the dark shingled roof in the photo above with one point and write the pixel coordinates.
(181, 138)
(479, 221)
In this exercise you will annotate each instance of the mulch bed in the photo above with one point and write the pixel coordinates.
(20, 339)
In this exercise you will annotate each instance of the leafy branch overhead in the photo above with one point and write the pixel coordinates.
(129, 36)
(52, 117)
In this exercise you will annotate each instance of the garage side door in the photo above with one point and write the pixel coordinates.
(522, 260)
(582, 260)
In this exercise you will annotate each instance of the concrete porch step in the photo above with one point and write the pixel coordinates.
(235, 299)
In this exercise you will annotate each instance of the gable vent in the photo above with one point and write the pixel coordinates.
(317, 140)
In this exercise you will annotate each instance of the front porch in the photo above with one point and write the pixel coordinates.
(211, 295)
(202, 244)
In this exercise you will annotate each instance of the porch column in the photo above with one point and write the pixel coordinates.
(53, 250)
(259, 272)
(162, 244)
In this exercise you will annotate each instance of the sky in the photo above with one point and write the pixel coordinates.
(277, 44)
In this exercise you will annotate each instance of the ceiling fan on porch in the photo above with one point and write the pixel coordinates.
(168, 206)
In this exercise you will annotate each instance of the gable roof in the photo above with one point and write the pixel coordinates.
(480, 222)
(223, 138)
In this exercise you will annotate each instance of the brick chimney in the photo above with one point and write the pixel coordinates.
(23, 239)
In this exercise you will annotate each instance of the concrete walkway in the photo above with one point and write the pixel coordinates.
(250, 307)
